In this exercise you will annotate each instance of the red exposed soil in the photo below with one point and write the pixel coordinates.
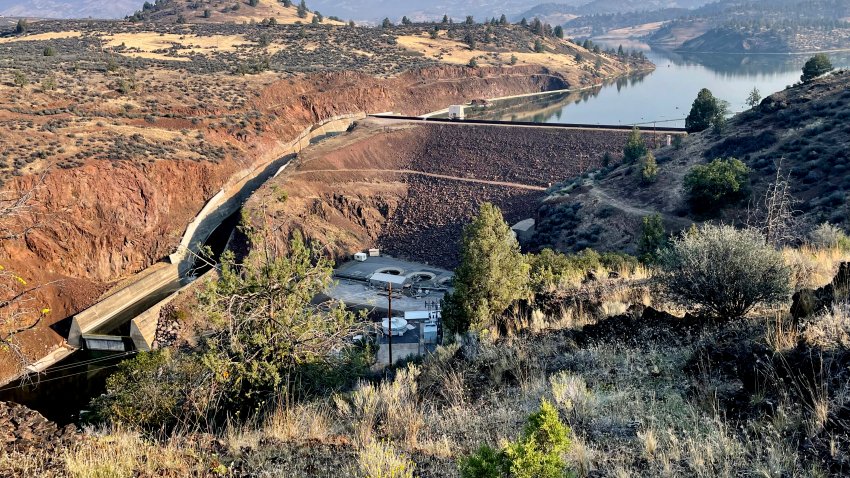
(110, 218)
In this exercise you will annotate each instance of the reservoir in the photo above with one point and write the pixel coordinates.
(662, 97)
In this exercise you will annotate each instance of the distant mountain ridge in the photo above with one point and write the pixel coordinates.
(604, 7)
(69, 8)
(761, 26)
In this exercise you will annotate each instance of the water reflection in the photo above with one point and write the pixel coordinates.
(662, 97)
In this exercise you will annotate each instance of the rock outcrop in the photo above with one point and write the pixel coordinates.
(810, 302)
(24, 429)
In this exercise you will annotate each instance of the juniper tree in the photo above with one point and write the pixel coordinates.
(816, 66)
(706, 111)
(635, 146)
(492, 275)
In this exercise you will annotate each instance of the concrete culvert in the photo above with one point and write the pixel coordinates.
(421, 276)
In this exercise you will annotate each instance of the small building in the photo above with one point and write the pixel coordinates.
(421, 315)
(456, 112)
(383, 281)
(523, 230)
(360, 256)
(374, 253)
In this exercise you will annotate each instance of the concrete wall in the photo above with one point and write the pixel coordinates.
(162, 279)
(113, 310)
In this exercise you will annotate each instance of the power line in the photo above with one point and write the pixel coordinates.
(90, 361)
(59, 378)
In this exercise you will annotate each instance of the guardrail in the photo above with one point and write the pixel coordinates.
(645, 129)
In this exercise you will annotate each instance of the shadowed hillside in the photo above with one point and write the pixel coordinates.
(804, 128)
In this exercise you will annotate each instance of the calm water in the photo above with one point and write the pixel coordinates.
(663, 96)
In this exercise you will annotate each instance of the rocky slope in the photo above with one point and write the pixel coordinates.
(409, 188)
(803, 129)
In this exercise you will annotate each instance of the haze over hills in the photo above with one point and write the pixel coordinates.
(68, 8)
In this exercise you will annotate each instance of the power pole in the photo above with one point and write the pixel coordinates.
(390, 319)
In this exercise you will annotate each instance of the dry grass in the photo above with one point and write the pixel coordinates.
(780, 332)
(390, 409)
(310, 421)
(458, 53)
(382, 460)
(813, 267)
(120, 453)
(151, 44)
(41, 36)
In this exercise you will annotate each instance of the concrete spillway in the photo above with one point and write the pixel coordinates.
(140, 302)
(116, 309)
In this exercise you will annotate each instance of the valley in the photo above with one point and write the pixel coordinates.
(592, 239)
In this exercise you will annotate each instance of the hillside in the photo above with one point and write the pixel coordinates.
(152, 118)
(601, 13)
(222, 11)
(804, 128)
(746, 26)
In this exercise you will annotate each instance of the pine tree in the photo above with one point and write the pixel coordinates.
(503, 20)
(652, 238)
(538, 46)
(302, 9)
(469, 39)
(559, 32)
(22, 27)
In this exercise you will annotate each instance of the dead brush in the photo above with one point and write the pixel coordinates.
(830, 330)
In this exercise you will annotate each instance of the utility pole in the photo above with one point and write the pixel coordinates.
(390, 319)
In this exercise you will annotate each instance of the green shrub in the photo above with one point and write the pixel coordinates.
(619, 262)
(648, 168)
(717, 184)
(539, 453)
(635, 147)
(551, 270)
(652, 238)
(487, 462)
(155, 390)
(723, 272)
